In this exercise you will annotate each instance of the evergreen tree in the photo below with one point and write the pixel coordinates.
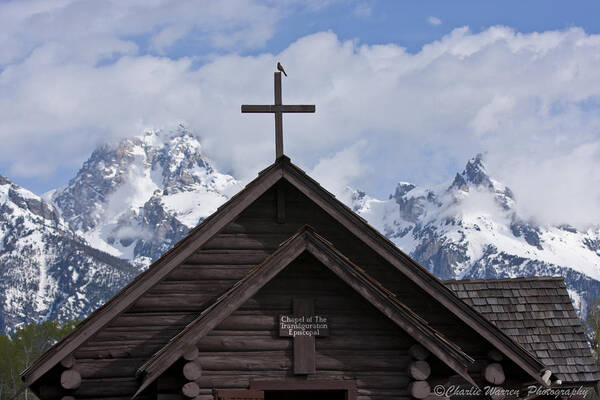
(20, 350)
(593, 327)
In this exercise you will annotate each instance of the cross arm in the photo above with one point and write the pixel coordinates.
(299, 108)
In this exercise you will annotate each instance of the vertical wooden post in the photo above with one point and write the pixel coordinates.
(304, 346)
(280, 204)
(278, 117)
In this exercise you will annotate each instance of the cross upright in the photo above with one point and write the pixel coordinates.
(278, 109)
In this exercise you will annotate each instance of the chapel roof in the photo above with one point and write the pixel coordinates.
(448, 294)
(537, 313)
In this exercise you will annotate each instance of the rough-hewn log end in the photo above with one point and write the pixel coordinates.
(419, 389)
(418, 352)
(70, 379)
(68, 361)
(419, 370)
(494, 373)
(190, 390)
(192, 370)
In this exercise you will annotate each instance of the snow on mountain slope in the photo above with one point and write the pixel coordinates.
(46, 271)
(468, 228)
(137, 199)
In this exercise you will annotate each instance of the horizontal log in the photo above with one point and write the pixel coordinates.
(107, 388)
(308, 286)
(135, 333)
(284, 283)
(376, 392)
(323, 303)
(192, 286)
(312, 215)
(232, 257)
(241, 379)
(364, 334)
(274, 342)
(154, 319)
(244, 241)
(174, 301)
(260, 226)
(344, 322)
(51, 392)
(177, 396)
(281, 360)
(120, 349)
(117, 368)
(70, 379)
(209, 272)
(369, 397)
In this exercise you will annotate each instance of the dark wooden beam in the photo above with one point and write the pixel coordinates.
(304, 346)
(280, 204)
(272, 108)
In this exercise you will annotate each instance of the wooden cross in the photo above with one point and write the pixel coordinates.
(278, 109)
(303, 326)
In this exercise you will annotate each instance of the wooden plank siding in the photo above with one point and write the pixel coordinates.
(175, 301)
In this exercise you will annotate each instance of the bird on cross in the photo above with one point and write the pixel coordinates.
(280, 68)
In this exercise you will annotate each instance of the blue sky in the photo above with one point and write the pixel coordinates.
(405, 90)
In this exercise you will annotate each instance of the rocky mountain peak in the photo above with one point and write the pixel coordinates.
(471, 228)
(136, 198)
(13, 196)
(475, 173)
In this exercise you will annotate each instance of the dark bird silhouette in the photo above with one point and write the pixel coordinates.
(280, 68)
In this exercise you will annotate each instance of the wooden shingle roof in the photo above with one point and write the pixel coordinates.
(538, 314)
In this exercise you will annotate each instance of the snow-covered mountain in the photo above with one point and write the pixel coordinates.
(64, 255)
(135, 200)
(469, 228)
(130, 202)
(46, 271)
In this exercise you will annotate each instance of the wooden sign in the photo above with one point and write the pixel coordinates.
(303, 325)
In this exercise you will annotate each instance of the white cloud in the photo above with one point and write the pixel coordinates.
(75, 25)
(528, 99)
(434, 20)
(342, 169)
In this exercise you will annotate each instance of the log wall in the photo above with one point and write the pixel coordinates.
(363, 345)
(110, 358)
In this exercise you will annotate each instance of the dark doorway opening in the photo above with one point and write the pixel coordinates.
(305, 395)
